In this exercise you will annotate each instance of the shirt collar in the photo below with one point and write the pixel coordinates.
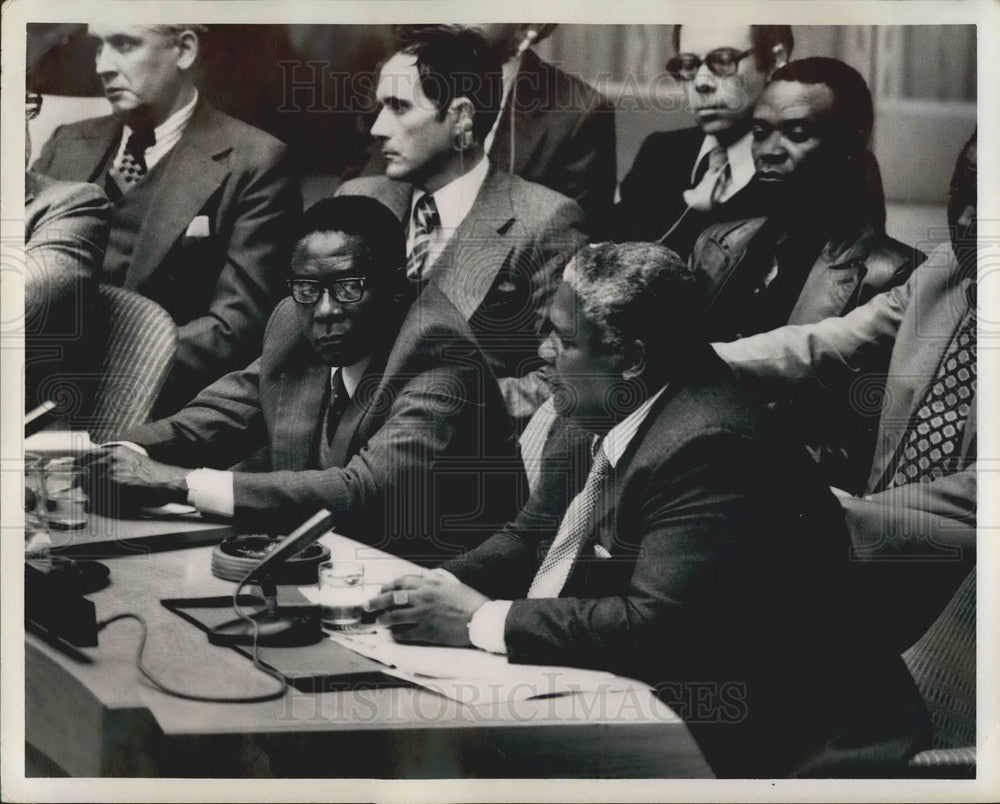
(617, 439)
(455, 199)
(352, 374)
(173, 125)
(739, 155)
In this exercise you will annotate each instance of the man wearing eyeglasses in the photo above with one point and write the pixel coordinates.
(681, 181)
(387, 416)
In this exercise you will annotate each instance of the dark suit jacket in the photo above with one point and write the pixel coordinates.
(845, 274)
(219, 288)
(887, 352)
(425, 461)
(500, 269)
(652, 197)
(727, 571)
(65, 232)
(564, 138)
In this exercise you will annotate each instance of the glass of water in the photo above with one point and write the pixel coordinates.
(342, 595)
(65, 495)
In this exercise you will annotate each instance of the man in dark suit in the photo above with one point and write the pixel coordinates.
(201, 202)
(553, 128)
(913, 351)
(819, 250)
(671, 539)
(390, 419)
(681, 181)
(493, 242)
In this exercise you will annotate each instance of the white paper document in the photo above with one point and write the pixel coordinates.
(474, 677)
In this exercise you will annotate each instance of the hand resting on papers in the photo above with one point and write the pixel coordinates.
(427, 608)
(122, 481)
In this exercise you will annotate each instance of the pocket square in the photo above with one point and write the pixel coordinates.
(600, 552)
(198, 227)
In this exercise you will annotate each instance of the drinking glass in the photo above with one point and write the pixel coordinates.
(342, 594)
(65, 496)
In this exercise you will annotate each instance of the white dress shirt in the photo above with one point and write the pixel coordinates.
(486, 628)
(453, 202)
(168, 134)
(211, 490)
(740, 157)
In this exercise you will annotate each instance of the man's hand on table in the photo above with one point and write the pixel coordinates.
(427, 608)
(131, 479)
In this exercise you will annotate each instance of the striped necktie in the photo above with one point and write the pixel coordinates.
(425, 222)
(558, 561)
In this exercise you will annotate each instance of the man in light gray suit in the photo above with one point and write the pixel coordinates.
(914, 350)
(494, 244)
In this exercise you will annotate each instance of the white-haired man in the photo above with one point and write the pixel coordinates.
(666, 541)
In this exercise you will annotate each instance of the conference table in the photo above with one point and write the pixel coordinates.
(89, 712)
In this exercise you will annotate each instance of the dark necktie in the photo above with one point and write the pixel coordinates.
(575, 525)
(132, 165)
(930, 447)
(339, 400)
(425, 222)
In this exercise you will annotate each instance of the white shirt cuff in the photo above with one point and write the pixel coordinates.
(487, 625)
(129, 444)
(211, 491)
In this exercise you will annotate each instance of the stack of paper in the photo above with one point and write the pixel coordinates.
(474, 677)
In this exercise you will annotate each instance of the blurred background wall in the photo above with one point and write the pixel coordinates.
(312, 86)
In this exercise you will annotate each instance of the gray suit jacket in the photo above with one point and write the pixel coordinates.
(500, 269)
(424, 460)
(883, 355)
(219, 288)
(65, 232)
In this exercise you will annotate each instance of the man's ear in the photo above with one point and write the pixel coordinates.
(463, 113)
(780, 55)
(635, 360)
(187, 47)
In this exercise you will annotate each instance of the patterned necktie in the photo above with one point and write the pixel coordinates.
(425, 222)
(930, 448)
(131, 164)
(708, 192)
(558, 561)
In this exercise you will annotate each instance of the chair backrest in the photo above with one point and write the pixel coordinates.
(533, 441)
(943, 664)
(138, 355)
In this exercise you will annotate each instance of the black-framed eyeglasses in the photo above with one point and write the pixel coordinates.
(347, 290)
(722, 61)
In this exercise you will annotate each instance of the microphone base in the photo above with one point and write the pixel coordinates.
(288, 627)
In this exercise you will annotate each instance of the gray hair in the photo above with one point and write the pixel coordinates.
(635, 291)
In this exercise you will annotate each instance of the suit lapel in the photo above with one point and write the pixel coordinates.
(366, 395)
(298, 416)
(81, 157)
(190, 175)
(466, 269)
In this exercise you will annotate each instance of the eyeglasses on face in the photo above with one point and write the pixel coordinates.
(348, 290)
(721, 62)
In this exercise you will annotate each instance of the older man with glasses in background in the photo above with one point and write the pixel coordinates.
(681, 181)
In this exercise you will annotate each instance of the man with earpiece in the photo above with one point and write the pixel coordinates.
(493, 243)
